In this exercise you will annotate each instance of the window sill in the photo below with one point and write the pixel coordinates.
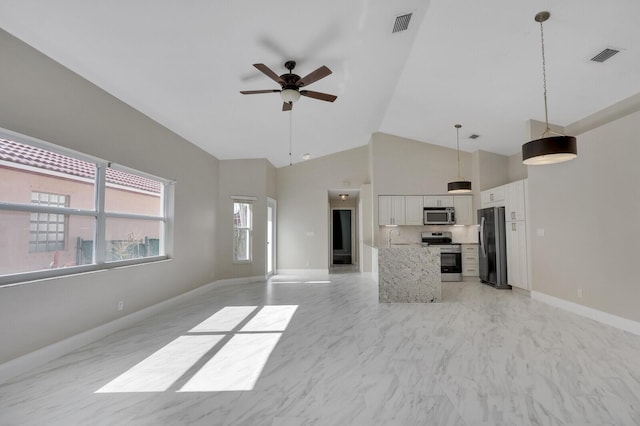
(48, 274)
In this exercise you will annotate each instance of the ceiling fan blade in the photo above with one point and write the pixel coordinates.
(316, 75)
(253, 92)
(267, 71)
(318, 95)
(287, 106)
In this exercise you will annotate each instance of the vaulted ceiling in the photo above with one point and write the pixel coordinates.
(183, 63)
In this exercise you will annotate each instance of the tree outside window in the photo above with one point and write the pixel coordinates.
(242, 223)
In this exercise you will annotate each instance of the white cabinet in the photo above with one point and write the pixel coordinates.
(438, 201)
(409, 209)
(493, 197)
(514, 201)
(413, 209)
(517, 239)
(464, 209)
(517, 264)
(391, 210)
(470, 260)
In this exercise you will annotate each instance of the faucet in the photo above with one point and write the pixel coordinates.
(397, 235)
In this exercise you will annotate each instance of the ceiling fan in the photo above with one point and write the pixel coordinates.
(291, 84)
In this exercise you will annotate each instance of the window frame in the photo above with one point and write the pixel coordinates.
(241, 199)
(98, 212)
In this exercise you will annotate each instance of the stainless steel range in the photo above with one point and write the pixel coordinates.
(450, 254)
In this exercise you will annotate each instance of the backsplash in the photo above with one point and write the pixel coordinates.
(411, 234)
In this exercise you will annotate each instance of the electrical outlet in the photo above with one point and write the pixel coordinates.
(580, 293)
(120, 305)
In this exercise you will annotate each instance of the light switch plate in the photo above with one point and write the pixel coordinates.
(540, 232)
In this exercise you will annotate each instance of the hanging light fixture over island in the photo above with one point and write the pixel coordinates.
(552, 147)
(460, 186)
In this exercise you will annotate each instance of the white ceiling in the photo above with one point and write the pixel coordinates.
(183, 63)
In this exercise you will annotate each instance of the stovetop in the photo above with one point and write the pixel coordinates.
(437, 238)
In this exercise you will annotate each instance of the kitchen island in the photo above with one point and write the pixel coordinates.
(409, 274)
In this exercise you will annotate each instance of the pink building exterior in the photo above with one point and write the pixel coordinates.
(28, 174)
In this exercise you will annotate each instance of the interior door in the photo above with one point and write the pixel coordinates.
(271, 236)
(342, 242)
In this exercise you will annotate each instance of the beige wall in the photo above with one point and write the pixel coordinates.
(589, 210)
(253, 178)
(408, 167)
(517, 170)
(303, 207)
(44, 100)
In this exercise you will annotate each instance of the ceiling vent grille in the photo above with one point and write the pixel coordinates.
(474, 136)
(604, 55)
(402, 23)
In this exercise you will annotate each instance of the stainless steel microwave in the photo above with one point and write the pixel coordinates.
(439, 216)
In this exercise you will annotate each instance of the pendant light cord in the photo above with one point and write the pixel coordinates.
(544, 81)
(457, 126)
(290, 134)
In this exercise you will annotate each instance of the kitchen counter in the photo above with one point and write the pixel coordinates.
(409, 273)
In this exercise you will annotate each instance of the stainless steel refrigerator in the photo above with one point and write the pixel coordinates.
(493, 247)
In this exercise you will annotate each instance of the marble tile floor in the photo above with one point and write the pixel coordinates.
(481, 357)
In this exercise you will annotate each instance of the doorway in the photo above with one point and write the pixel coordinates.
(271, 236)
(342, 236)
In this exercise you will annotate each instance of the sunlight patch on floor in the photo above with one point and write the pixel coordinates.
(160, 370)
(271, 318)
(237, 366)
(225, 320)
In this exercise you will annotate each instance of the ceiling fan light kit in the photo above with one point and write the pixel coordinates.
(460, 186)
(548, 149)
(291, 83)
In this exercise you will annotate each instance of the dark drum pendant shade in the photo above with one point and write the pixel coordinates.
(549, 149)
(459, 186)
(554, 149)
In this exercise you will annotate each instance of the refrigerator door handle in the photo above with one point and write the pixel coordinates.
(482, 243)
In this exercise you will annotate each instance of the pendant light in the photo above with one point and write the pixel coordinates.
(552, 147)
(459, 186)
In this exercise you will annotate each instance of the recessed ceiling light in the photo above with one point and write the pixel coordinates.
(474, 136)
(306, 156)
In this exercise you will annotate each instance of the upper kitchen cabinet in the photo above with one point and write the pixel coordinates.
(515, 201)
(391, 210)
(413, 210)
(438, 201)
(493, 197)
(464, 209)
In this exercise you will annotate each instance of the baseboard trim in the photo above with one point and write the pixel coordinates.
(48, 353)
(236, 281)
(302, 271)
(585, 311)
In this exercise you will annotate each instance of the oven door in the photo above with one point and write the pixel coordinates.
(450, 263)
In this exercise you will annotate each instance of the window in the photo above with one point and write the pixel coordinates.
(63, 212)
(242, 218)
(47, 230)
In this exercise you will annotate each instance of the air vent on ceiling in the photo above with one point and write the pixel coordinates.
(402, 22)
(474, 136)
(604, 55)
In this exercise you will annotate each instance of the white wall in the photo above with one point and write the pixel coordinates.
(42, 99)
(589, 209)
(303, 213)
(408, 167)
(254, 178)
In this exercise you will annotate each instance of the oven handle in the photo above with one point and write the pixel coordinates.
(484, 251)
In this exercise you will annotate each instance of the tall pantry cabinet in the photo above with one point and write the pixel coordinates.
(516, 234)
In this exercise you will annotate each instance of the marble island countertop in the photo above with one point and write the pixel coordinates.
(409, 273)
